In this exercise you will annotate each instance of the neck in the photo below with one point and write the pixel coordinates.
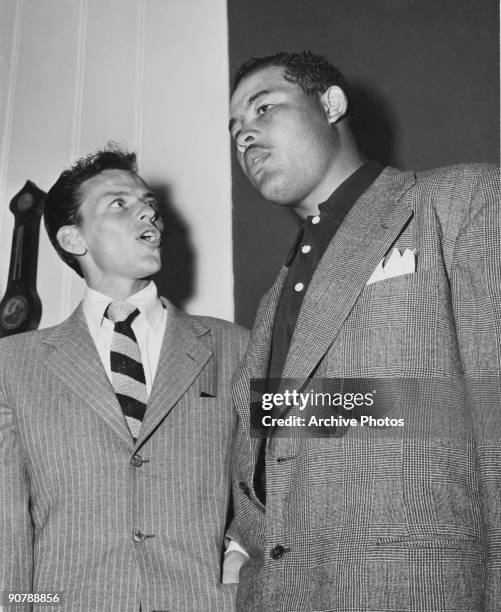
(117, 289)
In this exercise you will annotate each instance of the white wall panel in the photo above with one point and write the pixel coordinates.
(10, 24)
(185, 106)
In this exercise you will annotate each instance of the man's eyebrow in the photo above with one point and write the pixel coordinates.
(256, 96)
(115, 194)
(250, 101)
(110, 194)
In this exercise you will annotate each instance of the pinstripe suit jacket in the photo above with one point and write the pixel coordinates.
(374, 520)
(70, 497)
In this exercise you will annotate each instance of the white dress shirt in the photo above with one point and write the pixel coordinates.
(148, 326)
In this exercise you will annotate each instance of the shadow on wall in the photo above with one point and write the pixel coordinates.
(372, 122)
(175, 281)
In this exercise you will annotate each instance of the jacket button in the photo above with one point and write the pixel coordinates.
(137, 461)
(277, 552)
(244, 488)
(138, 536)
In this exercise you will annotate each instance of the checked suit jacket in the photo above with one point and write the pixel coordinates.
(395, 519)
(85, 512)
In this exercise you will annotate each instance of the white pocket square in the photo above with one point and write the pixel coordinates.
(396, 265)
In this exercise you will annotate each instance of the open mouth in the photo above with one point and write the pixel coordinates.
(152, 237)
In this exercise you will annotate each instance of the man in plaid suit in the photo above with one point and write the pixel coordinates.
(395, 276)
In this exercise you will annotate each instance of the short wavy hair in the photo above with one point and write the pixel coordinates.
(63, 202)
(313, 73)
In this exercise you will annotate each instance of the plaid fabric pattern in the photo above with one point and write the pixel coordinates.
(374, 521)
(127, 369)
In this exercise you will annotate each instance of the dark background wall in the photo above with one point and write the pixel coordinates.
(425, 81)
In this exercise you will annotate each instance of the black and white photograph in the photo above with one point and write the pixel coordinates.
(250, 306)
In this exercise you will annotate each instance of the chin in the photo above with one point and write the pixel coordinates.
(152, 271)
(277, 192)
(147, 271)
(281, 197)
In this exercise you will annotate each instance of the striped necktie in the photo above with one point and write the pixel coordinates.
(127, 371)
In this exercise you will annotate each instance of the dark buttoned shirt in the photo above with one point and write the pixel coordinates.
(305, 254)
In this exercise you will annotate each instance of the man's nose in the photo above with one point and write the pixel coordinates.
(146, 211)
(246, 137)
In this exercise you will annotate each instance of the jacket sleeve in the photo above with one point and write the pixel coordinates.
(16, 537)
(476, 292)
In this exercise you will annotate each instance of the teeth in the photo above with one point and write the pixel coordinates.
(148, 236)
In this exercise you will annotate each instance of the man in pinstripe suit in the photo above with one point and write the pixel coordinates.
(116, 513)
(395, 276)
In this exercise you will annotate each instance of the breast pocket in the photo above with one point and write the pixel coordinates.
(401, 300)
(399, 323)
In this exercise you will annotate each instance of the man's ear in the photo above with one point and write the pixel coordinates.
(335, 103)
(71, 240)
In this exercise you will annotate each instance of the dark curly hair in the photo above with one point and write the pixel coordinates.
(62, 205)
(313, 73)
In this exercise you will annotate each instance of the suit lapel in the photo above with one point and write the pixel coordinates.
(260, 342)
(369, 230)
(255, 362)
(182, 358)
(76, 362)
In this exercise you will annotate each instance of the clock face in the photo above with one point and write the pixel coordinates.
(14, 312)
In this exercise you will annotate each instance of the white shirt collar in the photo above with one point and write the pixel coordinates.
(146, 300)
